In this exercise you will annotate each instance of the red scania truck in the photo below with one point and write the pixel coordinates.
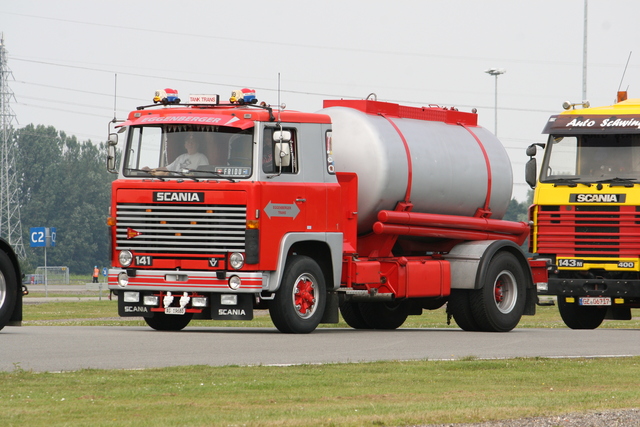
(371, 209)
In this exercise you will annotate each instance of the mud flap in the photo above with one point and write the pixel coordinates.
(132, 309)
(232, 307)
(618, 313)
(530, 305)
(331, 309)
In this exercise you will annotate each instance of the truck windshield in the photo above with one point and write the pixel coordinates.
(196, 151)
(591, 158)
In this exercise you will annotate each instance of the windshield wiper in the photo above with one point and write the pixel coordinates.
(149, 172)
(570, 182)
(212, 173)
(184, 173)
(625, 182)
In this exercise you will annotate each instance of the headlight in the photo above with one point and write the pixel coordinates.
(150, 300)
(542, 286)
(131, 297)
(125, 258)
(228, 299)
(236, 260)
(199, 301)
(123, 279)
(234, 282)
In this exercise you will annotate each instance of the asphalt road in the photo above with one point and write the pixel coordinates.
(67, 348)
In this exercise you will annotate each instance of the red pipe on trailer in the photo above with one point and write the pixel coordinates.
(445, 233)
(450, 226)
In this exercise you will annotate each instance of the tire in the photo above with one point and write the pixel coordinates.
(8, 289)
(298, 305)
(168, 322)
(459, 306)
(385, 315)
(353, 316)
(579, 317)
(499, 304)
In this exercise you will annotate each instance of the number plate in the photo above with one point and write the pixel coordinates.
(595, 301)
(175, 310)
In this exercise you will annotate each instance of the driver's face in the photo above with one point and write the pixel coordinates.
(190, 144)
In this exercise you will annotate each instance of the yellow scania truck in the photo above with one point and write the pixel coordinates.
(586, 211)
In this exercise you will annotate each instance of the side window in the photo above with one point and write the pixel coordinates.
(145, 148)
(280, 156)
(562, 158)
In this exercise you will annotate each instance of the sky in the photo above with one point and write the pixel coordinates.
(77, 64)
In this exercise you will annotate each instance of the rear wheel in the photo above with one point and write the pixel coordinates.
(499, 305)
(385, 315)
(580, 317)
(8, 289)
(299, 303)
(459, 307)
(353, 316)
(168, 322)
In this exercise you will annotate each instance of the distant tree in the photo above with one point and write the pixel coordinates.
(63, 184)
(518, 211)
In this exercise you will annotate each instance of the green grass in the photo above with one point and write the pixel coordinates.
(365, 394)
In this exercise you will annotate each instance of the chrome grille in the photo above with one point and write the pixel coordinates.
(172, 228)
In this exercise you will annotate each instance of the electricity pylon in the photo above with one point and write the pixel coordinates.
(10, 226)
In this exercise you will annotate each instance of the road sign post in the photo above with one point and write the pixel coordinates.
(43, 237)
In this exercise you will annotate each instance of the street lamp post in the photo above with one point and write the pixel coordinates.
(496, 72)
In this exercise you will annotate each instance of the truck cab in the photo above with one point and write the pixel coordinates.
(211, 203)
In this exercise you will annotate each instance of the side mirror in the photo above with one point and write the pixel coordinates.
(282, 136)
(531, 168)
(112, 142)
(111, 159)
(531, 150)
(530, 171)
(283, 154)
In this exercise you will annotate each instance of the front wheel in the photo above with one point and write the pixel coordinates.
(299, 303)
(168, 322)
(499, 305)
(580, 317)
(8, 289)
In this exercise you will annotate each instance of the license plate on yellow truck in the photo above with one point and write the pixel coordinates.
(595, 301)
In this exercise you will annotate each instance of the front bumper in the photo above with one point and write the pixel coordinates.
(184, 280)
(592, 287)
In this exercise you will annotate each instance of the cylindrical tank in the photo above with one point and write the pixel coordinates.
(450, 173)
